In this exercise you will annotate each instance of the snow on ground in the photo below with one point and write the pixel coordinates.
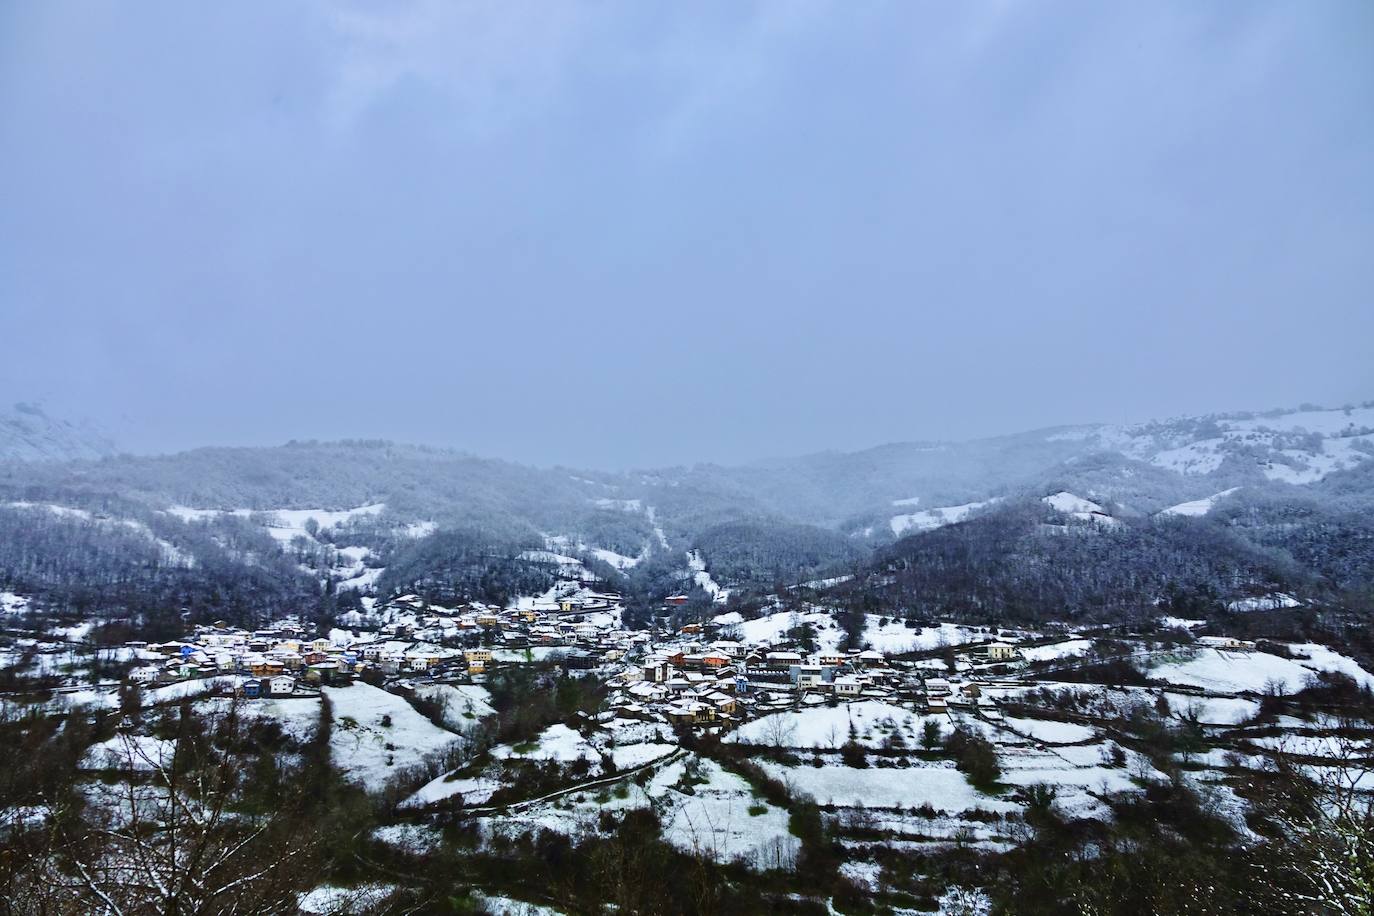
(10, 603)
(331, 900)
(1303, 467)
(930, 519)
(872, 722)
(282, 520)
(557, 742)
(1201, 457)
(1213, 710)
(180, 690)
(696, 562)
(618, 560)
(464, 704)
(1051, 732)
(561, 542)
(1180, 623)
(620, 505)
(652, 515)
(299, 717)
(1066, 649)
(509, 906)
(715, 819)
(893, 637)
(1235, 672)
(1274, 602)
(170, 553)
(567, 566)
(367, 750)
(1232, 672)
(703, 808)
(1196, 508)
(940, 786)
(628, 756)
(1078, 507)
(774, 627)
(824, 583)
(469, 790)
(137, 753)
(1320, 658)
(1329, 746)
(417, 839)
(532, 654)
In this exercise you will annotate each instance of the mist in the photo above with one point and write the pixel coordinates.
(648, 234)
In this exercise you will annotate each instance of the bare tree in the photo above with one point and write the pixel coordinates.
(175, 836)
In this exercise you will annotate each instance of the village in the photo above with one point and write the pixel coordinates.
(714, 675)
(697, 675)
(910, 738)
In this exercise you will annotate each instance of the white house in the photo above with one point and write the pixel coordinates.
(281, 686)
(143, 675)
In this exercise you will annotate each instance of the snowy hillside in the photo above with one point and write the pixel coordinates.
(1298, 446)
(27, 433)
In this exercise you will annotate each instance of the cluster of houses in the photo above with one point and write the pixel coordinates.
(683, 677)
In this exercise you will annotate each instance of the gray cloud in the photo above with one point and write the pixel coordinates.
(638, 233)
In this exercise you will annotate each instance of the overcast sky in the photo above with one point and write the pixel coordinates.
(632, 233)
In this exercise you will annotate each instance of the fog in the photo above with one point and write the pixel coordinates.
(631, 234)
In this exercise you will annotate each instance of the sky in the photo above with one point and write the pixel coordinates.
(623, 234)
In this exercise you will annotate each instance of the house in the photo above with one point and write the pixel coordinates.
(1225, 642)
(282, 685)
(804, 676)
(143, 675)
(690, 712)
(847, 685)
(580, 661)
(724, 703)
(1000, 652)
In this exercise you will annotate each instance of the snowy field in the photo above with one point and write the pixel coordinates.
(1050, 732)
(464, 704)
(940, 786)
(1238, 672)
(367, 749)
(825, 727)
(713, 813)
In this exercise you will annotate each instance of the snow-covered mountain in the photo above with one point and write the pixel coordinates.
(1293, 446)
(27, 433)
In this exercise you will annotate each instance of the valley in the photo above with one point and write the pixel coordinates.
(914, 680)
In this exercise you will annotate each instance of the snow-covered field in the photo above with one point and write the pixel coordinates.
(1055, 651)
(1079, 508)
(1196, 508)
(558, 743)
(930, 519)
(136, 753)
(1240, 672)
(892, 637)
(1051, 732)
(299, 717)
(367, 749)
(940, 786)
(464, 704)
(869, 721)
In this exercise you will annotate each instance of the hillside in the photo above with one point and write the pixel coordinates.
(27, 433)
(1225, 507)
